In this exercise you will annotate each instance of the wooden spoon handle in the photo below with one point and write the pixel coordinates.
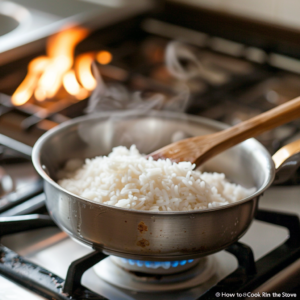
(230, 137)
(275, 117)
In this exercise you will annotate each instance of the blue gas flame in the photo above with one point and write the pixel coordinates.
(156, 264)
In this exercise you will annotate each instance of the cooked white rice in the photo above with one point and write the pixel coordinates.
(126, 179)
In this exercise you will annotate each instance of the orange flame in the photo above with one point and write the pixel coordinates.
(26, 88)
(104, 57)
(46, 74)
(83, 66)
(72, 86)
(60, 49)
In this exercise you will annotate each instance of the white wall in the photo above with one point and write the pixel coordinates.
(282, 12)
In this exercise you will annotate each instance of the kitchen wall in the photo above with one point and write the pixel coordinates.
(282, 12)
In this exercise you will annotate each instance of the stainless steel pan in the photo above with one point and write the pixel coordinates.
(139, 234)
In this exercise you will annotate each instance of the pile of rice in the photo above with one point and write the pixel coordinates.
(127, 179)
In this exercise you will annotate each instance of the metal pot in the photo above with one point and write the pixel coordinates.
(141, 234)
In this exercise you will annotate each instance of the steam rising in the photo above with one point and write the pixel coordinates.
(115, 102)
(116, 97)
(184, 64)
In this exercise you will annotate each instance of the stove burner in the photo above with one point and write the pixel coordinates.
(198, 272)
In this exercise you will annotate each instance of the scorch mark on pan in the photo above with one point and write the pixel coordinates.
(143, 243)
(142, 227)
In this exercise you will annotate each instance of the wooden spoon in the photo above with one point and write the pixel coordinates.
(201, 148)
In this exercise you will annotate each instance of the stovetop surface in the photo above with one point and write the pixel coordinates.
(246, 88)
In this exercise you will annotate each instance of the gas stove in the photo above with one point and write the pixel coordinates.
(39, 261)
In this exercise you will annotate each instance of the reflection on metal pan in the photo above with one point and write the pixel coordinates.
(169, 235)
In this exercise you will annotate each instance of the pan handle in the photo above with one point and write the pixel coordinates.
(287, 161)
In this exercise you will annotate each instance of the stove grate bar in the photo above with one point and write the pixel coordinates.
(15, 224)
(36, 278)
(77, 268)
(23, 149)
(245, 257)
(5, 104)
(13, 199)
(34, 205)
(290, 221)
